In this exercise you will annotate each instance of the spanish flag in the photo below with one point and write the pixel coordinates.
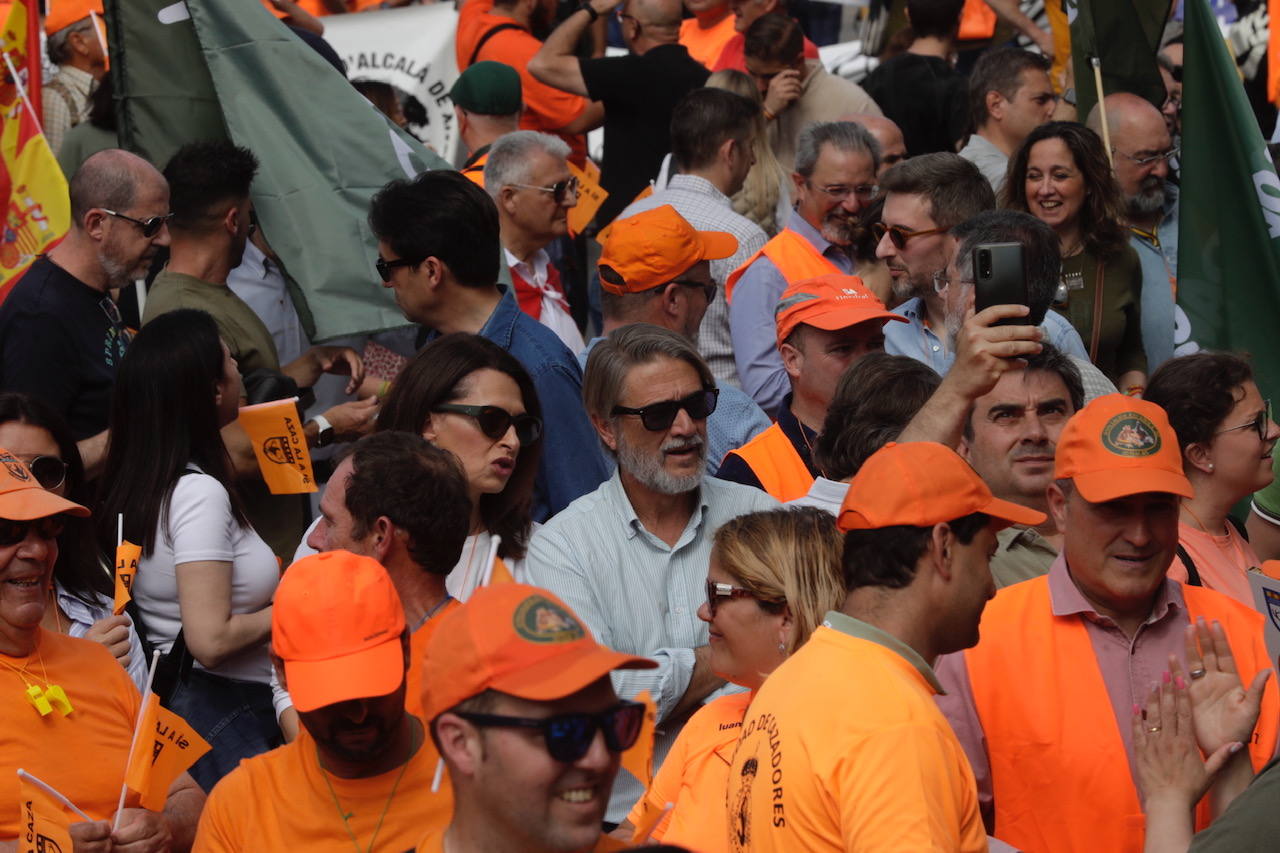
(127, 557)
(37, 211)
(280, 444)
(44, 822)
(164, 747)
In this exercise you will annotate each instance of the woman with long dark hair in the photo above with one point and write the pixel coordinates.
(205, 575)
(467, 395)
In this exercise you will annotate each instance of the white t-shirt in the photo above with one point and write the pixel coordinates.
(201, 527)
(477, 554)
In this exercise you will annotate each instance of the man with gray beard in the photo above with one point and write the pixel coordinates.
(631, 557)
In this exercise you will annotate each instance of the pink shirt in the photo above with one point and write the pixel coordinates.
(1222, 561)
(1129, 667)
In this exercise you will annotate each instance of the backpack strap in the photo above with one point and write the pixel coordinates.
(67, 98)
(484, 39)
(1193, 574)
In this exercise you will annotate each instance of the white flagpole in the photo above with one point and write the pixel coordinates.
(52, 791)
(22, 90)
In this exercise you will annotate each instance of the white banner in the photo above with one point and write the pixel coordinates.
(411, 49)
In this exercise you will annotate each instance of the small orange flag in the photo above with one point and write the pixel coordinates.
(638, 760)
(501, 574)
(43, 820)
(590, 196)
(275, 429)
(127, 557)
(166, 746)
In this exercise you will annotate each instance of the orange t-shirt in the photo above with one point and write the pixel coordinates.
(695, 776)
(433, 842)
(279, 801)
(705, 44)
(1222, 561)
(845, 749)
(418, 642)
(83, 754)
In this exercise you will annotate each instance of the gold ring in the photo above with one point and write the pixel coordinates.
(1153, 729)
(1197, 673)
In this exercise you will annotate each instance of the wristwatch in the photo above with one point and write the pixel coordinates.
(590, 10)
(324, 431)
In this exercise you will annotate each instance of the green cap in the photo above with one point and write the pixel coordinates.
(488, 88)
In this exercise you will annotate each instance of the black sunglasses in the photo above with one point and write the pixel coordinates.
(569, 736)
(494, 422)
(13, 532)
(384, 268)
(1261, 422)
(560, 190)
(49, 471)
(150, 227)
(660, 416)
(898, 235)
(708, 288)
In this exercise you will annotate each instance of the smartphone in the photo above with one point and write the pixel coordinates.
(999, 278)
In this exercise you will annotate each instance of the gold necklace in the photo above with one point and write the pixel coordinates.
(346, 816)
(43, 700)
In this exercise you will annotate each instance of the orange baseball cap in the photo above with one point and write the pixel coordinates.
(337, 624)
(64, 13)
(830, 302)
(1119, 446)
(652, 248)
(22, 498)
(516, 639)
(920, 484)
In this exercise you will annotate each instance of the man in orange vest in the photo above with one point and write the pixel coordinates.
(824, 325)
(706, 33)
(486, 102)
(1043, 703)
(843, 748)
(835, 177)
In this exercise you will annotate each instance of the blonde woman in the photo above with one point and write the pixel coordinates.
(772, 578)
(764, 198)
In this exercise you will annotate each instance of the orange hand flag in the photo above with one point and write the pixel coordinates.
(127, 557)
(590, 196)
(43, 819)
(501, 574)
(638, 760)
(280, 445)
(165, 747)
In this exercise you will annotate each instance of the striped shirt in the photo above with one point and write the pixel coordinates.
(636, 593)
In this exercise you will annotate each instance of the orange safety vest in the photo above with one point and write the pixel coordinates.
(977, 21)
(1060, 779)
(794, 256)
(475, 172)
(773, 459)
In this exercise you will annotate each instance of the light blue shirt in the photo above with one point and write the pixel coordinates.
(1159, 260)
(752, 325)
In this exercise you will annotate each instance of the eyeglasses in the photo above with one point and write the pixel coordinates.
(717, 592)
(660, 416)
(569, 736)
(941, 283)
(494, 422)
(1261, 422)
(708, 288)
(898, 235)
(1153, 158)
(863, 192)
(49, 471)
(150, 227)
(560, 190)
(13, 532)
(384, 268)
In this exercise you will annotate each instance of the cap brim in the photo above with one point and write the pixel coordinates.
(1103, 486)
(844, 318)
(375, 671)
(28, 504)
(566, 674)
(1006, 513)
(717, 245)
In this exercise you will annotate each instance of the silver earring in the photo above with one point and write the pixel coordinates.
(782, 649)
(1210, 466)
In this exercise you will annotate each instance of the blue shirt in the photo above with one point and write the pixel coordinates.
(736, 420)
(572, 463)
(752, 325)
(1158, 254)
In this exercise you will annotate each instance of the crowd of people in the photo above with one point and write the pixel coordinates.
(745, 520)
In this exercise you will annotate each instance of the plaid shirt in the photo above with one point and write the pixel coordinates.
(60, 115)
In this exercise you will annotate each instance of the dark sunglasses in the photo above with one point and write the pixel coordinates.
(560, 190)
(717, 592)
(150, 227)
(898, 235)
(569, 736)
(494, 422)
(708, 288)
(660, 416)
(13, 532)
(1261, 422)
(384, 268)
(49, 471)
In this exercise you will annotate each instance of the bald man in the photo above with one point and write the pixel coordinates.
(1141, 149)
(639, 91)
(61, 336)
(893, 149)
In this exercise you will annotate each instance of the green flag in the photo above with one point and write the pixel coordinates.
(1124, 35)
(1229, 229)
(324, 149)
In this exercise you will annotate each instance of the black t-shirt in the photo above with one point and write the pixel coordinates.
(927, 98)
(639, 94)
(58, 342)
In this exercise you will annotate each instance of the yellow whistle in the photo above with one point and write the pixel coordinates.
(36, 696)
(57, 697)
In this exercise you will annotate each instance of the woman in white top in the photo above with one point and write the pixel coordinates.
(205, 575)
(467, 395)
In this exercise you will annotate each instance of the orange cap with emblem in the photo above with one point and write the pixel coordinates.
(337, 623)
(64, 13)
(652, 248)
(22, 498)
(920, 484)
(516, 639)
(1119, 446)
(830, 302)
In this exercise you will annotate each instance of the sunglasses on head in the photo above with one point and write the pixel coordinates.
(1261, 422)
(13, 532)
(898, 235)
(150, 227)
(660, 416)
(384, 267)
(494, 422)
(49, 471)
(569, 736)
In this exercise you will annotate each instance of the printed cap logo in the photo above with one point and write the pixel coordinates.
(16, 469)
(1131, 434)
(277, 449)
(540, 620)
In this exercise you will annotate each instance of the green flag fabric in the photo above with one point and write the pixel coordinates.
(1125, 36)
(1229, 228)
(324, 149)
